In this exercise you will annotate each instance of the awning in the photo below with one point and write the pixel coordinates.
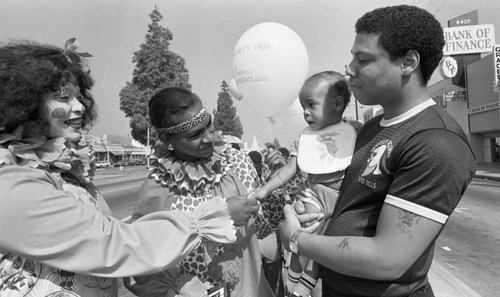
(442, 87)
(99, 148)
(116, 150)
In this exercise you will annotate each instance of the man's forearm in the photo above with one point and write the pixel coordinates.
(354, 256)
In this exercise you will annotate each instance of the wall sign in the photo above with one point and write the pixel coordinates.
(468, 39)
(455, 96)
(483, 108)
(496, 68)
(448, 67)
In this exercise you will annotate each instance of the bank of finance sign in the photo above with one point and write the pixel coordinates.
(469, 39)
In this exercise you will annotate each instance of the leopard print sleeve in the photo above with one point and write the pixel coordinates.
(272, 207)
(271, 213)
(269, 217)
(293, 186)
(244, 168)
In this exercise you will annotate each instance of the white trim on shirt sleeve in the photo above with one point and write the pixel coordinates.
(417, 209)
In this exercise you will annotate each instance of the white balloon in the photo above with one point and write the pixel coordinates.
(296, 108)
(270, 64)
(234, 91)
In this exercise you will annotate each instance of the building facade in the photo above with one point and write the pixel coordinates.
(116, 148)
(475, 107)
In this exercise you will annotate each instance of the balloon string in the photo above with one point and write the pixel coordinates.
(288, 200)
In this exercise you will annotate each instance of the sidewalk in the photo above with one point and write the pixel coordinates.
(442, 281)
(445, 284)
(489, 171)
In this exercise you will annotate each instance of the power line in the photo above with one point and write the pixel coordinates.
(443, 3)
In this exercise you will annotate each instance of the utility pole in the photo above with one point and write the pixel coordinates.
(148, 150)
(356, 105)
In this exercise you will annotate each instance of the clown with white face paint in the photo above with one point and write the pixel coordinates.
(64, 110)
(57, 235)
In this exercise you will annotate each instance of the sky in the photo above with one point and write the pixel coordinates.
(205, 33)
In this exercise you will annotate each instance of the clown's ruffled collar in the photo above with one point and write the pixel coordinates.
(193, 176)
(50, 154)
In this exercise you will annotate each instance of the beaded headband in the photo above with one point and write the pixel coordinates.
(186, 125)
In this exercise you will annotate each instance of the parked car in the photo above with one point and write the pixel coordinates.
(103, 164)
(121, 163)
(142, 161)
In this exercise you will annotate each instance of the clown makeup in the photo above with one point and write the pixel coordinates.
(63, 110)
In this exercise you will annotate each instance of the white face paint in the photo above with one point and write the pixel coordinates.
(64, 111)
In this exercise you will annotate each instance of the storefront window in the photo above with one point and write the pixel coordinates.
(496, 149)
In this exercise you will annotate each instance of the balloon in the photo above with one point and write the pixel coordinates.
(270, 64)
(234, 91)
(296, 108)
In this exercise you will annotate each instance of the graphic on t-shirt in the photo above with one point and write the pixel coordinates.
(377, 152)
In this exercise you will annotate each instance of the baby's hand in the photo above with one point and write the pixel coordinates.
(258, 194)
(310, 200)
(303, 206)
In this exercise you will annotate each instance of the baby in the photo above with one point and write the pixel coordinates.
(324, 152)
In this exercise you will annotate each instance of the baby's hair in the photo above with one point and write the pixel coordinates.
(337, 85)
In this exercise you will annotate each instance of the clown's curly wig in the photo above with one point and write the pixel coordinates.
(403, 28)
(28, 71)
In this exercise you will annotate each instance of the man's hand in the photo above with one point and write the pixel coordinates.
(292, 223)
(241, 209)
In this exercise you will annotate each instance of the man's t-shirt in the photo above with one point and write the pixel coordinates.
(420, 162)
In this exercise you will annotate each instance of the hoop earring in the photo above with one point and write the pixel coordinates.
(170, 147)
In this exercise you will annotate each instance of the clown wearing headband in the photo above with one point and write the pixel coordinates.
(192, 167)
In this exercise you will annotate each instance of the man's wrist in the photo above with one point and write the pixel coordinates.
(294, 241)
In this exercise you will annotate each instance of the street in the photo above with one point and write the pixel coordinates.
(121, 188)
(468, 247)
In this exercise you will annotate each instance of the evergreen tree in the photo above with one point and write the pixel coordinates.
(225, 118)
(156, 67)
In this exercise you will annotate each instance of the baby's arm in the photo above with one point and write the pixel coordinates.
(279, 179)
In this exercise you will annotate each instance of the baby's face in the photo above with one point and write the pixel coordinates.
(319, 111)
